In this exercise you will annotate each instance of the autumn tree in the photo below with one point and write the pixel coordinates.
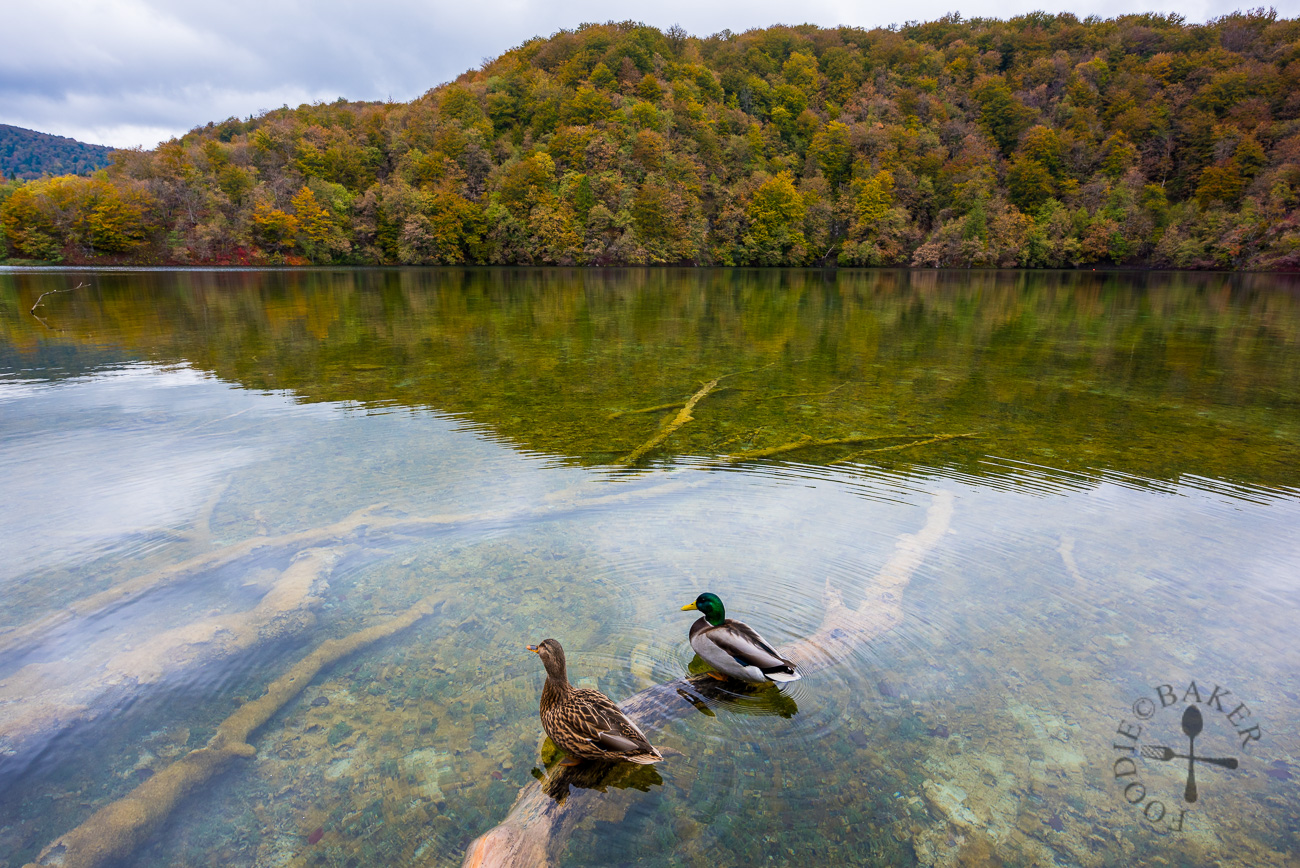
(775, 216)
(317, 229)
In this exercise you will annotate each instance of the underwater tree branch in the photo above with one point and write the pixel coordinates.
(938, 438)
(655, 409)
(42, 696)
(116, 830)
(45, 697)
(201, 533)
(666, 431)
(804, 394)
(1066, 550)
(26, 637)
(62, 696)
(534, 832)
(807, 441)
(672, 405)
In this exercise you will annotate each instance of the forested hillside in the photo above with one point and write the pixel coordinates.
(1042, 141)
(28, 154)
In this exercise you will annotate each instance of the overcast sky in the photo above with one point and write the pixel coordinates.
(136, 72)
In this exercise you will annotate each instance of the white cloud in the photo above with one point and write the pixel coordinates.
(132, 72)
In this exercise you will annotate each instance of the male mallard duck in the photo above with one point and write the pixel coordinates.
(733, 647)
(584, 722)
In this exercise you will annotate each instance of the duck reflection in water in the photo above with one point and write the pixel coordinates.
(706, 691)
(557, 778)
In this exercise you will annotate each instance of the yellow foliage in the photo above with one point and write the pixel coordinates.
(875, 198)
(273, 226)
(776, 223)
(43, 217)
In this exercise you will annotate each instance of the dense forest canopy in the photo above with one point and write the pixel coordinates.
(1040, 141)
(27, 154)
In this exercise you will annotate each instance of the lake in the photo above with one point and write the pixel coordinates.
(275, 542)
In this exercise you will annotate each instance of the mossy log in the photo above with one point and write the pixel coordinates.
(657, 408)
(116, 830)
(534, 832)
(683, 416)
(937, 438)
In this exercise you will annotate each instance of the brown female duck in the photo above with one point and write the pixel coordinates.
(584, 723)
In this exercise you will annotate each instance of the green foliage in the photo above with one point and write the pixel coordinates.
(29, 228)
(1118, 155)
(440, 227)
(1040, 141)
(874, 198)
(602, 78)
(877, 226)
(318, 232)
(52, 218)
(116, 224)
(1002, 113)
(649, 88)
(1029, 182)
(528, 182)
(775, 215)
(833, 152)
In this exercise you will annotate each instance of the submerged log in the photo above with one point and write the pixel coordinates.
(40, 700)
(47, 693)
(683, 416)
(686, 414)
(535, 830)
(20, 639)
(116, 830)
(807, 441)
(26, 637)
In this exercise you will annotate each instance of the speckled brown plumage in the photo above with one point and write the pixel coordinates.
(585, 723)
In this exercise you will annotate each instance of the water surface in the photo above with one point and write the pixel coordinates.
(1125, 524)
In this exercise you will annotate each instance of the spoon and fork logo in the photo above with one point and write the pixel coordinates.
(1134, 749)
(1193, 723)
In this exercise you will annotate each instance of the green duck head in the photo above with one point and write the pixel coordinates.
(709, 606)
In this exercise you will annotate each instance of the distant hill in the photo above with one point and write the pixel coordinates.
(28, 154)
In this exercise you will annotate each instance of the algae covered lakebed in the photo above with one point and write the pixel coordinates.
(207, 477)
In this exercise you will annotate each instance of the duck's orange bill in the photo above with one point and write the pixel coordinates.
(532, 648)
